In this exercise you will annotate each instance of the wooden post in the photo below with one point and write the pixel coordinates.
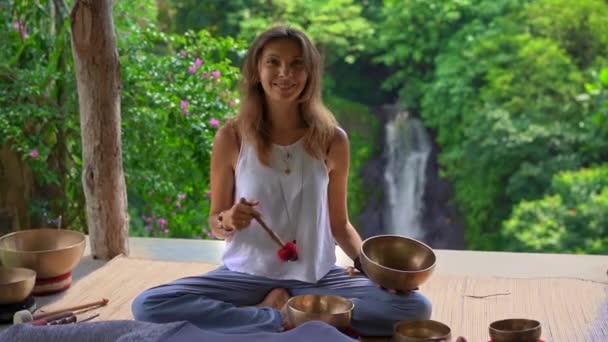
(16, 185)
(99, 89)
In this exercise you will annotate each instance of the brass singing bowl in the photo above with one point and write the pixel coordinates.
(49, 252)
(397, 262)
(16, 284)
(515, 329)
(333, 310)
(421, 330)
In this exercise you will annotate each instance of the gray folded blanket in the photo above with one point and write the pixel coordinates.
(131, 331)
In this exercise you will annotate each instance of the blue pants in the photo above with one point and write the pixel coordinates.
(222, 301)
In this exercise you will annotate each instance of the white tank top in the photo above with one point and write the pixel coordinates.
(293, 204)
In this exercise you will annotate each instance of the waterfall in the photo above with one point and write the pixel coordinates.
(408, 148)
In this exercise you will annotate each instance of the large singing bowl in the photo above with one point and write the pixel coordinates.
(49, 252)
(397, 262)
(16, 284)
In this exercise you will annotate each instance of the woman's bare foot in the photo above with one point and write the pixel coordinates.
(277, 298)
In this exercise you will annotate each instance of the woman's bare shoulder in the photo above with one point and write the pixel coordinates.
(339, 140)
(338, 152)
(227, 141)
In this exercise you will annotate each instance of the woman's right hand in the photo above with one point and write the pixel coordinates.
(240, 215)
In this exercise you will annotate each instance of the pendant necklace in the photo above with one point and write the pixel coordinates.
(287, 170)
(286, 158)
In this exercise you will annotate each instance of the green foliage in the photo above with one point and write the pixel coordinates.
(166, 142)
(412, 34)
(362, 128)
(218, 17)
(513, 89)
(38, 114)
(579, 28)
(140, 13)
(499, 82)
(572, 218)
(595, 100)
(178, 89)
(337, 27)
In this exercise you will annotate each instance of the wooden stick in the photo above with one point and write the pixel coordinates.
(270, 232)
(41, 315)
(89, 318)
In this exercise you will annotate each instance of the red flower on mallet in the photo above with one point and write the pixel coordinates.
(289, 252)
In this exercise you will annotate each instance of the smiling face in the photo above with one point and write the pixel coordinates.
(282, 70)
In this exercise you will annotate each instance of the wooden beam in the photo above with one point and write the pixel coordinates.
(99, 90)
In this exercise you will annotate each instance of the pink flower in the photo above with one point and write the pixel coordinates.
(178, 204)
(181, 196)
(197, 63)
(19, 25)
(161, 222)
(204, 75)
(147, 229)
(183, 104)
(215, 123)
(216, 74)
(33, 153)
(184, 53)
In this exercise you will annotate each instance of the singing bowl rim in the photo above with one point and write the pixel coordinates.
(399, 334)
(536, 327)
(346, 300)
(382, 267)
(26, 231)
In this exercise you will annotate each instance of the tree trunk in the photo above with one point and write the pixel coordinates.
(99, 89)
(16, 185)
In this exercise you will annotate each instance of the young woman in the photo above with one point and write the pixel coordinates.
(285, 160)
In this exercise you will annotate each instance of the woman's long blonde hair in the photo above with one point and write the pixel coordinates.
(252, 120)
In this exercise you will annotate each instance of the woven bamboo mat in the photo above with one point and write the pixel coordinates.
(568, 309)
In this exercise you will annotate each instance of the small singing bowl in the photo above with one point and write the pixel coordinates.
(333, 310)
(397, 262)
(49, 252)
(16, 284)
(515, 329)
(421, 330)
